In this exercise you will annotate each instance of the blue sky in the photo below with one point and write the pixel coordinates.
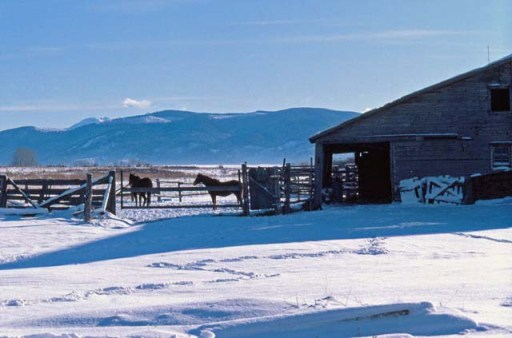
(63, 61)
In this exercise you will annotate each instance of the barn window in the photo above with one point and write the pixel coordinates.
(501, 156)
(500, 99)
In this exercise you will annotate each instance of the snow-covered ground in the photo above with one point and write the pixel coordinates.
(367, 270)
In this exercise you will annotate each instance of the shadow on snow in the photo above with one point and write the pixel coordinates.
(334, 223)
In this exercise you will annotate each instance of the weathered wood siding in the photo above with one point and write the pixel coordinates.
(460, 107)
(437, 157)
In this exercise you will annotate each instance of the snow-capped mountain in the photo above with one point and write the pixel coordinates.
(90, 120)
(179, 137)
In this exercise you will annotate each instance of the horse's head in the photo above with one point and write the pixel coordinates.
(199, 179)
(133, 179)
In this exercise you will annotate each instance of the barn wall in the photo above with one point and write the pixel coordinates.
(461, 107)
(438, 157)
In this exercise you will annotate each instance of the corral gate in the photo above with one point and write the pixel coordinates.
(59, 194)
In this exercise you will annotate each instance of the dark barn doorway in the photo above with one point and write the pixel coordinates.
(373, 166)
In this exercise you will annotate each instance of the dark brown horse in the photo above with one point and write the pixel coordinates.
(138, 182)
(212, 182)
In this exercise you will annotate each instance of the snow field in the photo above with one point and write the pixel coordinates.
(341, 272)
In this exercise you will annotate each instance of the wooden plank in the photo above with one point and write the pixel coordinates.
(319, 174)
(49, 192)
(106, 196)
(182, 189)
(51, 182)
(159, 197)
(77, 197)
(287, 188)
(186, 206)
(88, 198)
(121, 190)
(245, 184)
(80, 200)
(111, 196)
(277, 196)
(3, 191)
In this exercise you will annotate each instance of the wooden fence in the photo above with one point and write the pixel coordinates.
(279, 190)
(58, 194)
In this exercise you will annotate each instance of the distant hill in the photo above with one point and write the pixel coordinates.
(178, 137)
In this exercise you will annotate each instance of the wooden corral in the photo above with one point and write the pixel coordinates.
(457, 127)
(286, 187)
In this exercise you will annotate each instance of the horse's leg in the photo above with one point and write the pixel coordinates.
(214, 200)
(149, 199)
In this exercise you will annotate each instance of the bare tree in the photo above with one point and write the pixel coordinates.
(24, 157)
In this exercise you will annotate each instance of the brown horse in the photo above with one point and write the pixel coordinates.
(138, 182)
(212, 182)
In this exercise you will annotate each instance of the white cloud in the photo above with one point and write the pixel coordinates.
(128, 103)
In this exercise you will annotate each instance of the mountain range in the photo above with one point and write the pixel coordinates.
(178, 137)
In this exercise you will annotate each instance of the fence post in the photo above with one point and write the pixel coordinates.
(159, 199)
(312, 183)
(3, 191)
(245, 190)
(44, 191)
(277, 193)
(88, 198)
(111, 204)
(122, 187)
(179, 191)
(287, 188)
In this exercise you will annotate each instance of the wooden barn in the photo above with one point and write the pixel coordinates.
(458, 127)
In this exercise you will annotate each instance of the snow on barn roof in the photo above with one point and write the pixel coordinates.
(439, 85)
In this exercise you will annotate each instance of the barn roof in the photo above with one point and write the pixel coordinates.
(439, 85)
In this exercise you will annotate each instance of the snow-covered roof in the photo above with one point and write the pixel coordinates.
(439, 85)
